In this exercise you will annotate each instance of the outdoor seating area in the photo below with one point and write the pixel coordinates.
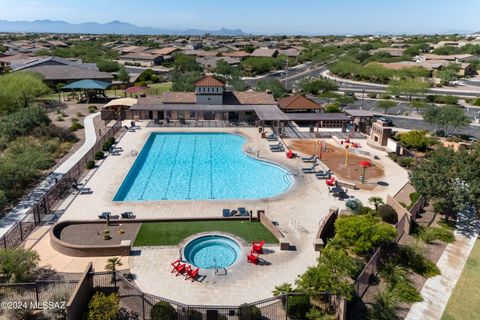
(188, 272)
(240, 212)
(124, 215)
(256, 250)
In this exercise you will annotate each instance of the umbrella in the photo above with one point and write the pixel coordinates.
(365, 164)
(136, 89)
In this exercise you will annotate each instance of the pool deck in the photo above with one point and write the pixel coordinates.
(298, 213)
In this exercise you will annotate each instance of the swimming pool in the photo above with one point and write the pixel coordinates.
(212, 252)
(200, 166)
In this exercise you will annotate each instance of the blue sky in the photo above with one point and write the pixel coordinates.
(262, 16)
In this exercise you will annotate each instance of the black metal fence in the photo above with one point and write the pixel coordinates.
(136, 302)
(39, 292)
(21, 229)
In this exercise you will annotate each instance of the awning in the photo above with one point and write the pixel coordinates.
(128, 102)
(317, 116)
(87, 85)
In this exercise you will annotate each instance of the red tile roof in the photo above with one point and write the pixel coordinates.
(209, 81)
(298, 103)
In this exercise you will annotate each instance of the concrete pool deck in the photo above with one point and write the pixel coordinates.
(298, 213)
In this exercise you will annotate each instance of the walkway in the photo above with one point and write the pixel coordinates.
(437, 290)
(18, 213)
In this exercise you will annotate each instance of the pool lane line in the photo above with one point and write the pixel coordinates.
(191, 167)
(211, 169)
(173, 167)
(153, 169)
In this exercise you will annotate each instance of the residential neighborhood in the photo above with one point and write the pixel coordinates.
(247, 161)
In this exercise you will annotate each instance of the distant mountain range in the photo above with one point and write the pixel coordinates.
(114, 27)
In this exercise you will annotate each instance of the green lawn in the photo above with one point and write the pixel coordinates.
(464, 303)
(159, 88)
(171, 233)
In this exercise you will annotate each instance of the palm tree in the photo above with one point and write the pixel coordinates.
(112, 265)
(375, 201)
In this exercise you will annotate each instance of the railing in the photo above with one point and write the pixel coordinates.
(21, 229)
(136, 302)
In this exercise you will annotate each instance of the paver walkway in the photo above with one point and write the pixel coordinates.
(19, 211)
(437, 290)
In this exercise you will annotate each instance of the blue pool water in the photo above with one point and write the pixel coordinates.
(211, 252)
(200, 166)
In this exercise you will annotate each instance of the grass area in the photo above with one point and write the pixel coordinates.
(465, 300)
(159, 88)
(171, 233)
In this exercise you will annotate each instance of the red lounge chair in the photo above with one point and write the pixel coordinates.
(178, 267)
(252, 257)
(257, 246)
(330, 182)
(192, 273)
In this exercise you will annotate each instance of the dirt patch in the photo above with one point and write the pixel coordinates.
(92, 234)
(334, 159)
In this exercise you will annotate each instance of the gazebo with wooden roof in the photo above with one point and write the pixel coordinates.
(298, 103)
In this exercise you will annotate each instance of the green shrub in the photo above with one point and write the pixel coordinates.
(79, 114)
(405, 162)
(476, 102)
(362, 234)
(90, 164)
(246, 312)
(16, 265)
(194, 315)
(75, 126)
(415, 260)
(319, 314)
(354, 204)
(163, 310)
(19, 313)
(99, 155)
(60, 118)
(111, 140)
(387, 213)
(92, 109)
(406, 292)
(106, 146)
(428, 235)
(446, 99)
(298, 306)
(103, 307)
(414, 196)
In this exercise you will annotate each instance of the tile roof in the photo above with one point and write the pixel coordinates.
(236, 54)
(298, 103)
(263, 52)
(209, 81)
(67, 72)
(179, 97)
(164, 51)
(141, 56)
(251, 98)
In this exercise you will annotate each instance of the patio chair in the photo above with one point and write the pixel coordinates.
(252, 258)
(330, 182)
(312, 169)
(272, 137)
(279, 149)
(258, 246)
(104, 215)
(128, 215)
(191, 273)
(242, 212)
(227, 213)
(82, 190)
(278, 145)
(178, 267)
(313, 158)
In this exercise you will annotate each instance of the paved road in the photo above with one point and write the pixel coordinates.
(295, 74)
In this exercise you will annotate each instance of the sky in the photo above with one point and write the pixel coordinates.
(262, 16)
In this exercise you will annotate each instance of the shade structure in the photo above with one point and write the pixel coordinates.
(127, 102)
(136, 89)
(87, 85)
(365, 163)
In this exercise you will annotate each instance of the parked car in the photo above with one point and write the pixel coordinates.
(389, 122)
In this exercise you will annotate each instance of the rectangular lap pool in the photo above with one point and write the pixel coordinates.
(200, 166)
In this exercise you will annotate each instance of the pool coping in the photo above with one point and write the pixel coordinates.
(295, 176)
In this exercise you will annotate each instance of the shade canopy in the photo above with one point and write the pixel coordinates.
(365, 163)
(88, 85)
(127, 102)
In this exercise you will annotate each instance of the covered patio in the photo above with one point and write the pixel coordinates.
(90, 90)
